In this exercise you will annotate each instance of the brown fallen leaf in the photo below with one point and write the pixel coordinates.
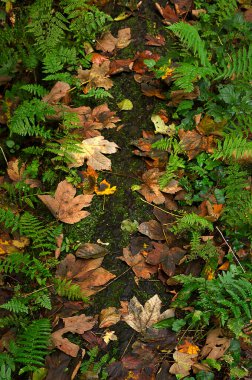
(182, 6)
(183, 363)
(58, 91)
(207, 126)
(172, 187)
(138, 264)
(92, 150)
(194, 143)
(216, 345)
(76, 325)
(157, 40)
(97, 76)
(64, 205)
(15, 169)
(108, 42)
(120, 65)
(109, 317)
(150, 189)
(167, 13)
(166, 257)
(179, 95)
(90, 251)
(88, 274)
(152, 229)
(142, 317)
(139, 65)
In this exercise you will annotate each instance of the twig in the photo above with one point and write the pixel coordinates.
(4, 155)
(167, 212)
(114, 279)
(132, 336)
(231, 249)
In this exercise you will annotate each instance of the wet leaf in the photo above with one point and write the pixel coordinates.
(90, 251)
(194, 143)
(138, 264)
(208, 126)
(166, 257)
(64, 205)
(216, 345)
(150, 189)
(157, 40)
(15, 169)
(141, 317)
(97, 76)
(8, 245)
(125, 105)
(92, 151)
(108, 43)
(76, 325)
(109, 317)
(59, 90)
(167, 13)
(161, 127)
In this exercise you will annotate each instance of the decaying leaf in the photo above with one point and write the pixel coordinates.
(92, 151)
(138, 264)
(64, 205)
(90, 251)
(109, 317)
(104, 188)
(97, 76)
(15, 169)
(179, 95)
(158, 40)
(166, 257)
(194, 143)
(183, 363)
(88, 274)
(142, 317)
(125, 105)
(150, 189)
(161, 127)
(188, 347)
(8, 245)
(167, 13)
(216, 345)
(108, 43)
(76, 325)
(58, 91)
(108, 336)
(152, 229)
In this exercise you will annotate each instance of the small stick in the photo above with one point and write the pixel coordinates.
(231, 249)
(4, 155)
(167, 212)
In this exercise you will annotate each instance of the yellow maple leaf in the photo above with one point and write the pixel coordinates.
(188, 348)
(104, 188)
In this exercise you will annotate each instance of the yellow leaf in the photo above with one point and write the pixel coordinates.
(105, 188)
(188, 348)
(122, 16)
(125, 105)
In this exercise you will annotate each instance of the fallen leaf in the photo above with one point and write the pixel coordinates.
(161, 127)
(8, 245)
(120, 65)
(104, 188)
(125, 105)
(150, 189)
(188, 347)
(108, 43)
(182, 6)
(15, 169)
(97, 76)
(179, 95)
(183, 363)
(167, 13)
(138, 264)
(142, 317)
(157, 40)
(194, 143)
(64, 205)
(124, 38)
(248, 15)
(76, 325)
(59, 241)
(139, 66)
(152, 229)
(166, 257)
(88, 180)
(108, 336)
(216, 345)
(90, 251)
(98, 58)
(92, 150)
(224, 266)
(88, 274)
(208, 126)
(172, 187)
(59, 90)
(109, 317)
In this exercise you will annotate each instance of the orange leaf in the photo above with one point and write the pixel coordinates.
(224, 266)
(188, 348)
(105, 188)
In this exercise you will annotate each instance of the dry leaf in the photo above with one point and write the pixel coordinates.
(152, 229)
(182, 6)
(92, 151)
(194, 143)
(8, 245)
(150, 189)
(216, 345)
(64, 205)
(15, 170)
(179, 95)
(142, 317)
(76, 325)
(183, 364)
(158, 40)
(88, 274)
(108, 43)
(109, 317)
(166, 257)
(108, 336)
(167, 13)
(138, 264)
(97, 76)
(59, 90)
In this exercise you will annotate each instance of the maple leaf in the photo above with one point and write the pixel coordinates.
(167, 13)
(138, 264)
(90, 251)
(109, 317)
(76, 325)
(58, 91)
(142, 317)
(150, 189)
(64, 205)
(92, 150)
(88, 274)
(97, 76)
(183, 363)
(194, 143)
(216, 345)
(108, 42)
(152, 229)
(104, 188)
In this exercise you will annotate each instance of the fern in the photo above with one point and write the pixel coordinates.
(233, 146)
(173, 165)
(63, 77)
(31, 346)
(225, 9)
(9, 219)
(65, 288)
(186, 75)
(238, 64)
(191, 222)
(97, 94)
(10, 321)
(28, 116)
(191, 39)
(16, 305)
(34, 89)
(206, 251)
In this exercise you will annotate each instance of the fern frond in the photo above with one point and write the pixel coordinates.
(97, 94)
(191, 39)
(28, 115)
(65, 288)
(175, 162)
(234, 147)
(16, 305)
(225, 9)
(238, 64)
(191, 222)
(10, 321)
(34, 89)
(9, 219)
(186, 75)
(32, 345)
(62, 77)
